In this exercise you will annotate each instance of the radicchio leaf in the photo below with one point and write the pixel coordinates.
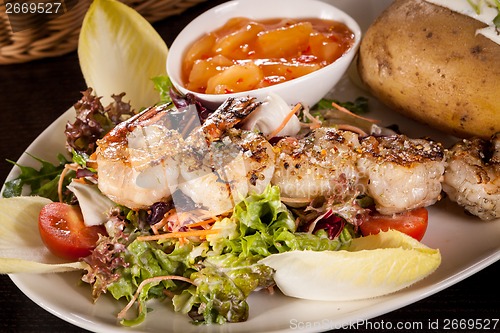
(105, 258)
(93, 121)
(83, 134)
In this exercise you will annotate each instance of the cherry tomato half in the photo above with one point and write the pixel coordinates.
(413, 223)
(63, 232)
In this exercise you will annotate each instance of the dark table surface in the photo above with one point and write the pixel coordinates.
(34, 94)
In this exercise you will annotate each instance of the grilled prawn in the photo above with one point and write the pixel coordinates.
(220, 175)
(148, 157)
(220, 165)
(322, 163)
(136, 160)
(402, 173)
(472, 177)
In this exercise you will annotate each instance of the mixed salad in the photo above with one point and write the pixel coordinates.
(208, 261)
(208, 268)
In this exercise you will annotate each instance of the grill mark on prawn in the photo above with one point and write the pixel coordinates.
(472, 177)
(230, 113)
(402, 150)
(330, 160)
(317, 164)
(148, 116)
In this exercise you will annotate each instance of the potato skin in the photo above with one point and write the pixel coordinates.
(426, 62)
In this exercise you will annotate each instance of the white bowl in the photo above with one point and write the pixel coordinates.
(308, 89)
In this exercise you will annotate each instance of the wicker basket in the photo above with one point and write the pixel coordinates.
(60, 35)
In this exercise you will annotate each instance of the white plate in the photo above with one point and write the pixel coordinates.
(449, 230)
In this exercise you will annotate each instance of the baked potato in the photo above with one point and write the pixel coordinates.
(427, 62)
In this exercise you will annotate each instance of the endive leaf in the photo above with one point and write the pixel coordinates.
(94, 205)
(119, 51)
(373, 266)
(21, 248)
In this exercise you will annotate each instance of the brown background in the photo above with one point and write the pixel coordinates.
(33, 95)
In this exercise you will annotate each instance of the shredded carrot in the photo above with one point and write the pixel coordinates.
(123, 312)
(166, 218)
(343, 109)
(92, 161)
(201, 223)
(206, 214)
(157, 226)
(179, 234)
(352, 129)
(285, 121)
(176, 220)
(182, 241)
(315, 122)
(67, 167)
(168, 293)
(182, 219)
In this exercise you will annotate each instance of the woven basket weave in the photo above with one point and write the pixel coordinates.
(60, 35)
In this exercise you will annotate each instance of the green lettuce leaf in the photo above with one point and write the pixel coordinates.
(146, 260)
(225, 269)
(222, 287)
(41, 182)
(163, 84)
(261, 225)
(359, 106)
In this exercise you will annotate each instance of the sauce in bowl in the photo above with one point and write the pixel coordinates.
(247, 54)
